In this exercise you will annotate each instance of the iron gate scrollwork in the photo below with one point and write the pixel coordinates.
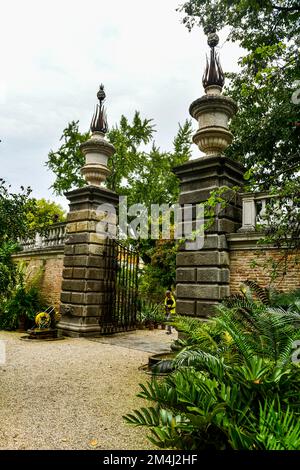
(122, 265)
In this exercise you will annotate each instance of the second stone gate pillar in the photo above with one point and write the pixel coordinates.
(203, 276)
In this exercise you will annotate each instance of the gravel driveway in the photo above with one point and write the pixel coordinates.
(70, 394)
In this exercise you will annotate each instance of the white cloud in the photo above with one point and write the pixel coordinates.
(55, 54)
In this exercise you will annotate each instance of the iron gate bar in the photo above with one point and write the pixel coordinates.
(121, 267)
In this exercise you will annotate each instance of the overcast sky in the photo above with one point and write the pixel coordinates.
(54, 55)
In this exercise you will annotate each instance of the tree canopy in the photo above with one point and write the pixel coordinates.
(267, 90)
(266, 139)
(144, 176)
(43, 214)
(141, 171)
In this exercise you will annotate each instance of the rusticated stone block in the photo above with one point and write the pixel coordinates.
(186, 274)
(97, 249)
(213, 275)
(75, 238)
(79, 273)
(71, 227)
(185, 307)
(65, 297)
(67, 273)
(206, 309)
(96, 261)
(97, 238)
(95, 298)
(215, 242)
(73, 312)
(73, 285)
(203, 258)
(224, 292)
(81, 249)
(82, 226)
(95, 286)
(75, 261)
(79, 215)
(198, 291)
(94, 311)
(78, 298)
(95, 274)
(69, 250)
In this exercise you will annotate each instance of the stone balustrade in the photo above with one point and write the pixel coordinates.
(254, 209)
(55, 237)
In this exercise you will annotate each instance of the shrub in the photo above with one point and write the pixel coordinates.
(24, 300)
(234, 387)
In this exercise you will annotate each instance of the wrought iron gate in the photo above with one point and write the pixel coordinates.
(122, 264)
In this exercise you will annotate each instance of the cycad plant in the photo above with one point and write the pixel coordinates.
(236, 388)
(25, 300)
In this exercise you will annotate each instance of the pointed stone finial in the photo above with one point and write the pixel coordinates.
(213, 75)
(99, 120)
(213, 111)
(96, 149)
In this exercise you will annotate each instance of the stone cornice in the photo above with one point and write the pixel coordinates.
(215, 161)
(248, 241)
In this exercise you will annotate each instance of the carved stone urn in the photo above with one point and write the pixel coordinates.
(213, 110)
(97, 150)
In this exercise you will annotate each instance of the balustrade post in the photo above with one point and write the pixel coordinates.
(249, 213)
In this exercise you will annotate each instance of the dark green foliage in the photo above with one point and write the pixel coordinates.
(13, 210)
(286, 299)
(267, 91)
(145, 177)
(235, 386)
(20, 218)
(68, 159)
(262, 294)
(24, 302)
(44, 214)
(151, 312)
(8, 269)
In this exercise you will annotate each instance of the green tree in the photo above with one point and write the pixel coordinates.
(267, 89)
(68, 159)
(143, 176)
(43, 214)
(21, 216)
(14, 208)
(265, 139)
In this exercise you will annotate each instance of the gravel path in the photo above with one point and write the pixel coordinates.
(69, 394)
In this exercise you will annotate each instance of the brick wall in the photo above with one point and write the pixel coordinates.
(241, 269)
(50, 264)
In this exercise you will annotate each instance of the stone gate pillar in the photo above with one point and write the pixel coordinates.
(202, 277)
(86, 296)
